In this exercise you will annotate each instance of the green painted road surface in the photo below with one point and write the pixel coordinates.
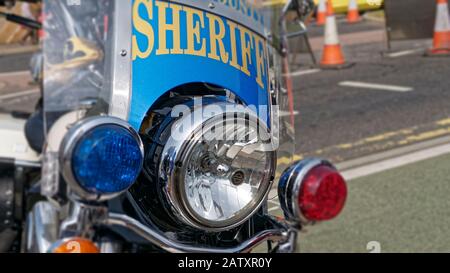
(401, 210)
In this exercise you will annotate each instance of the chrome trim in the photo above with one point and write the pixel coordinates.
(290, 245)
(121, 64)
(79, 221)
(21, 162)
(160, 240)
(41, 228)
(109, 246)
(28, 163)
(294, 177)
(176, 151)
(228, 12)
(69, 143)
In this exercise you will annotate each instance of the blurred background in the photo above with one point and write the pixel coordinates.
(384, 118)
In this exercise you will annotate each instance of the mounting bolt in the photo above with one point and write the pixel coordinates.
(123, 53)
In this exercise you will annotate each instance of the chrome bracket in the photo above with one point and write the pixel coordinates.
(81, 219)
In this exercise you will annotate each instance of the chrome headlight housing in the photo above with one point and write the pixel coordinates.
(217, 168)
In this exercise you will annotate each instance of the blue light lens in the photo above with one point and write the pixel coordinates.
(107, 160)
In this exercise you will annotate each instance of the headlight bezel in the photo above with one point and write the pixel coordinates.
(72, 138)
(171, 170)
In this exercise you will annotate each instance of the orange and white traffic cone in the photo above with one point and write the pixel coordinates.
(332, 56)
(353, 12)
(441, 41)
(321, 13)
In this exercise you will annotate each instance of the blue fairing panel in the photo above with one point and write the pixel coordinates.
(190, 45)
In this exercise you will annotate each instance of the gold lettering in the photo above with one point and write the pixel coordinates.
(246, 49)
(260, 56)
(164, 27)
(143, 27)
(217, 38)
(252, 46)
(193, 32)
(233, 42)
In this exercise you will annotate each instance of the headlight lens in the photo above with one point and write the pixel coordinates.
(224, 181)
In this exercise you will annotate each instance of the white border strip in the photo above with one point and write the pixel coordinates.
(287, 113)
(405, 53)
(304, 72)
(396, 162)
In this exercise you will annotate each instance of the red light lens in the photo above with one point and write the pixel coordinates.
(322, 194)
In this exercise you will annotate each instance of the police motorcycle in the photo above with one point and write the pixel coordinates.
(166, 124)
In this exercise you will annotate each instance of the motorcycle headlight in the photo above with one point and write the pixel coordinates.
(101, 158)
(217, 168)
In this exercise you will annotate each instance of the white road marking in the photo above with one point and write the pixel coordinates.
(304, 72)
(287, 114)
(18, 94)
(396, 162)
(404, 53)
(15, 73)
(384, 87)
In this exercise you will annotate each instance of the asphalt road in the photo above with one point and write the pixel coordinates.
(17, 90)
(343, 123)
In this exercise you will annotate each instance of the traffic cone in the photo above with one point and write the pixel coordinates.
(322, 13)
(353, 12)
(332, 56)
(441, 41)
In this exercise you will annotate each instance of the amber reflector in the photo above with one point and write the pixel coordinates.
(76, 245)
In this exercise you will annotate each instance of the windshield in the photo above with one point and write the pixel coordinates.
(76, 48)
